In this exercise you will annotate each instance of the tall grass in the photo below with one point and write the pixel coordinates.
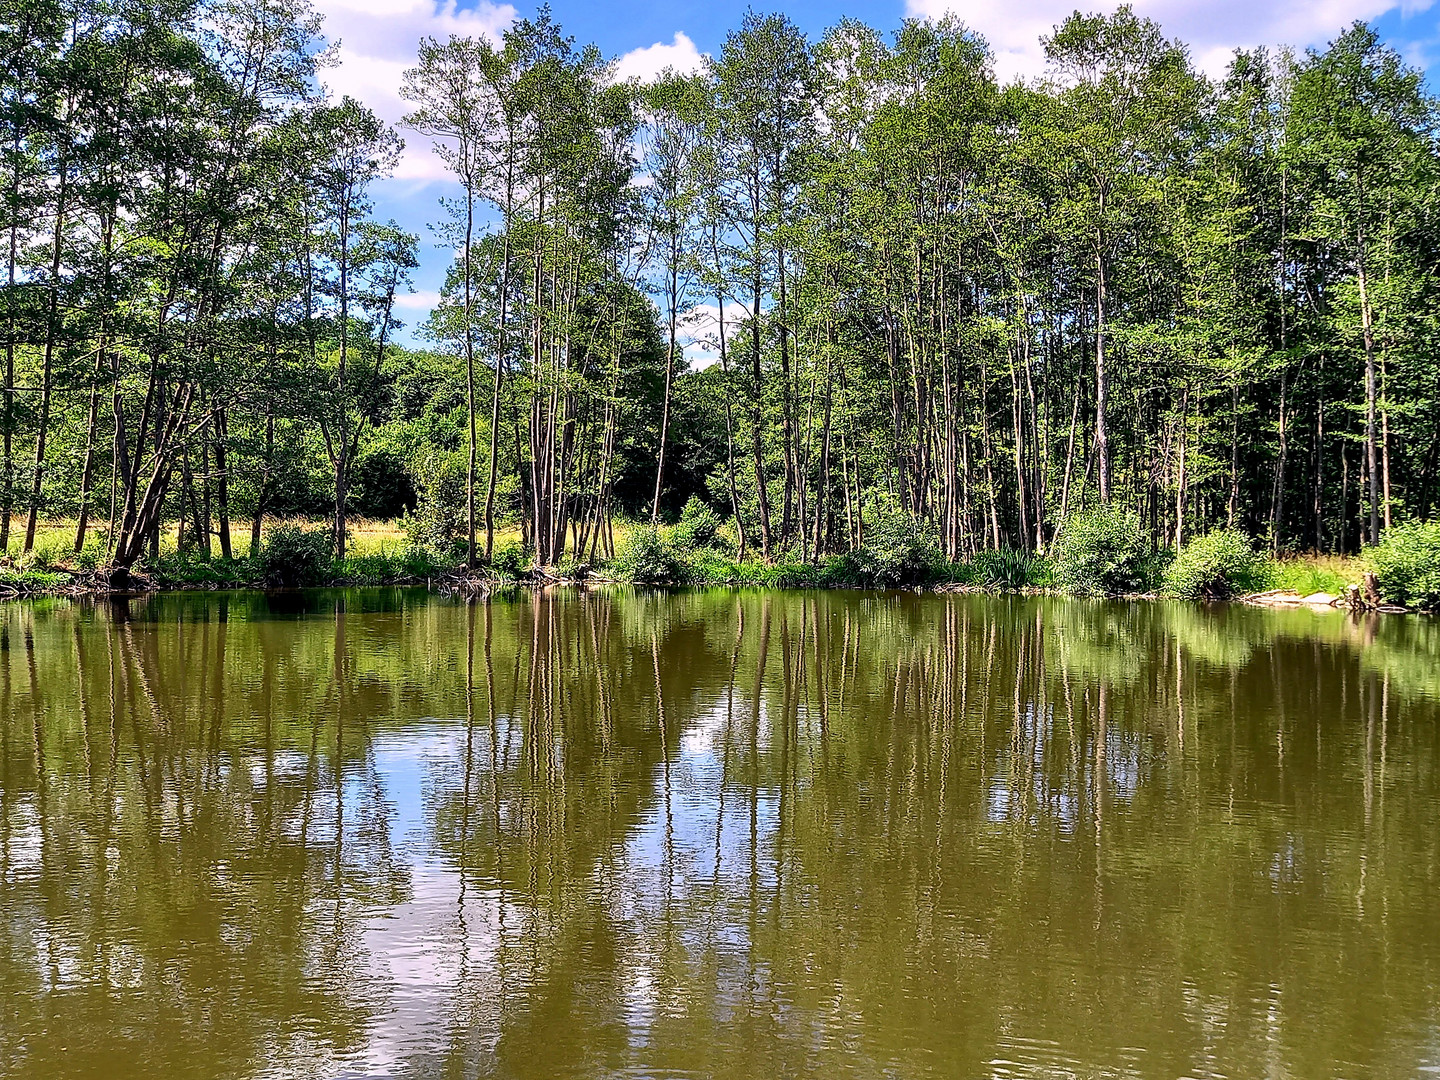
(1316, 573)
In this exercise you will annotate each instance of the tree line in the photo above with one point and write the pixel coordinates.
(917, 290)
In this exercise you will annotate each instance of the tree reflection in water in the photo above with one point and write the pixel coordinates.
(714, 833)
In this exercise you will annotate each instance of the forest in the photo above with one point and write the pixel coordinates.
(816, 287)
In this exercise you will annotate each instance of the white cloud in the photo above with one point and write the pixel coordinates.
(699, 331)
(649, 63)
(421, 300)
(1423, 54)
(378, 39)
(1212, 30)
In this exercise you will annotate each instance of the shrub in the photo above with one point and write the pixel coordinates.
(190, 569)
(899, 552)
(697, 528)
(1100, 552)
(292, 557)
(92, 555)
(648, 557)
(840, 572)
(1152, 568)
(1217, 566)
(716, 568)
(440, 519)
(1407, 564)
(29, 579)
(50, 550)
(389, 566)
(512, 560)
(1009, 569)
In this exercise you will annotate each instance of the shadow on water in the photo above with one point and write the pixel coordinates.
(373, 832)
(257, 605)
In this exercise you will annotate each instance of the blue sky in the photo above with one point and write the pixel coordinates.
(377, 42)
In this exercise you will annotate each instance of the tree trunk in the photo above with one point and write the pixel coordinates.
(1233, 504)
(222, 482)
(263, 494)
(1371, 465)
(820, 542)
(1181, 482)
(341, 449)
(1069, 462)
(674, 283)
(1018, 423)
(501, 358)
(1385, 442)
(7, 421)
(1317, 505)
(1102, 379)
(204, 527)
(1277, 487)
(87, 470)
(52, 334)
(469, 338)
(757, 424)
(730, 434)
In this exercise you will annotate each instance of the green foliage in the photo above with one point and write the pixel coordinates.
(572, 568)
(512, 561)
(92, 554)
(1217, 566)
(1306, 576)
(698, 528)
(1407, 564)
(712, 567)
(49, 552)
(191, 570)
(836, 572)
(439, 524)
(1009, 570)
(381, 486)
(28, 579)
(649, 557)
(1153, 567)
(899, 552)
(405, 565)
(1101, 552)
(292, 557)
(55, 550)
(905, 556)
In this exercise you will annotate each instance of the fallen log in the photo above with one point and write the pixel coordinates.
(1290, 598)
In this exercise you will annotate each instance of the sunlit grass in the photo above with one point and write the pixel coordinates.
(1306, 574)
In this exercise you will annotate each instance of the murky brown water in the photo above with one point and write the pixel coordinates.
(716, 834)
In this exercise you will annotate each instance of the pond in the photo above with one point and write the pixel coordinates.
(714, 833)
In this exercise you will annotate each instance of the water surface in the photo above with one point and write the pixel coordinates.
(384, 834)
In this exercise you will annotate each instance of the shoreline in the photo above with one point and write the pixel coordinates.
(99, 585)
(1222, 566)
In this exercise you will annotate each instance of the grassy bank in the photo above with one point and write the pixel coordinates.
(378, 554)
(1101, 551)
(292, 552)
(1096, 557)
(988, 571)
